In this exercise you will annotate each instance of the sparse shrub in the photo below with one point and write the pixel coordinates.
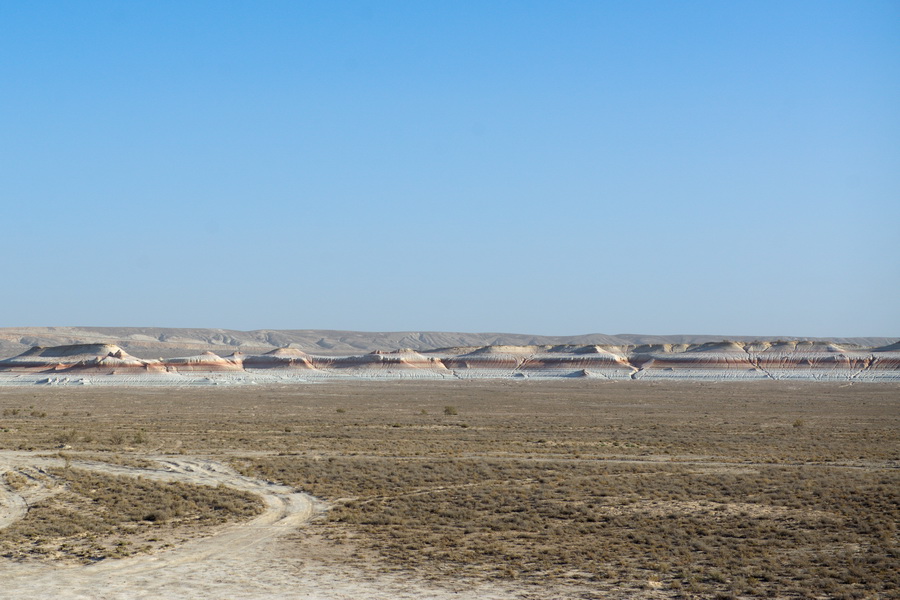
(66, 437)
(100, 514)
(713, 534)
(450, 410)
(15, 480)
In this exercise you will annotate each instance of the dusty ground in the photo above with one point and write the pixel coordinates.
(245, 560)
(488, 490)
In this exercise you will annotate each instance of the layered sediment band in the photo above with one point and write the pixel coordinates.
(727, 360)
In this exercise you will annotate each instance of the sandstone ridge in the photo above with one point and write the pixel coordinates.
(109, 364)
(157, 342)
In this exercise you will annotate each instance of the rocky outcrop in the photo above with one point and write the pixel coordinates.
(282, 358)
(382, 361)
(723, 360)
(208, 362)
(155, 342)
(82, 358)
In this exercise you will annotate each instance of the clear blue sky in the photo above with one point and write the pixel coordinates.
(536, 167)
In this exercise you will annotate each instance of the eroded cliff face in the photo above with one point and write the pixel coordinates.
(82, 358)
(155, 342)
(726, 360)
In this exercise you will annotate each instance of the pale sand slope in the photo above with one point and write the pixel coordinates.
(246, 561)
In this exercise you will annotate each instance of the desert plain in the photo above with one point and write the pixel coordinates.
(567, 488)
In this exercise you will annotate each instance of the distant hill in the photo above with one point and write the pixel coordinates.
(160, 342)
(796, 360)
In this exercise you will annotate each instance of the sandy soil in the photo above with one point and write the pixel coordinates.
(828, 453)
(242, 561)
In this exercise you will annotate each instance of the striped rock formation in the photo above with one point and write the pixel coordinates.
(107, 364)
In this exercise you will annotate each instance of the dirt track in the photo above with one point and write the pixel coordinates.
(238, 561)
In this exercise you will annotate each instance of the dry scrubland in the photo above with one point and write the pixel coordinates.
(95, 516)
(592, 489)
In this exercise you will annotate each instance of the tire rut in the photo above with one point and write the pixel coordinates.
(138, 576)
